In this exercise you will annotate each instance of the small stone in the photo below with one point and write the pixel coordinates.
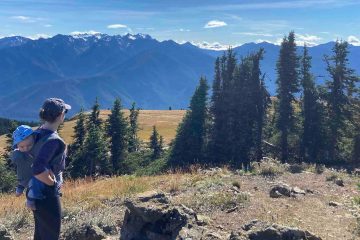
(297, 190)
(334, 204)
(339, 182)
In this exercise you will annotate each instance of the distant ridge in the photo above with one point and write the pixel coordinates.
(135, 67)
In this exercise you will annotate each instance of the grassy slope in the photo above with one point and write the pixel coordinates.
(166, 122)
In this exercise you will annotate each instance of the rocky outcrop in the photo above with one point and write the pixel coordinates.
(284, 190)
(84, 232)
(5, 234)
(280, 190)
(151, 216)
(257, 230)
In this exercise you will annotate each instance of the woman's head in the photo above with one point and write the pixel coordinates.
(53, 110)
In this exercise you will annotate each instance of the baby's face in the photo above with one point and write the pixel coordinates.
(26, 144)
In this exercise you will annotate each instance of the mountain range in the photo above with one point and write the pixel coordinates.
(155, 74)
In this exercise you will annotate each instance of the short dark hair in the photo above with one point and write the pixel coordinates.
(53, 108)
(49, 116)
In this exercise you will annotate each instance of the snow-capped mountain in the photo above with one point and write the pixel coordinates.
(136, 67)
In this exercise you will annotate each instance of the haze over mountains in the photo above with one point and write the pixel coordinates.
(154, 74)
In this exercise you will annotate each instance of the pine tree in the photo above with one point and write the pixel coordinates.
(261, 98)
(188, 146)
(117, 129)
(80, 129)
(134, 142)
(95, 153)
(74, 159)
(288, 85)
(9, 146)
(219, 147)
(312, 135)
(94, 118)
(339, 96)
(156, 143)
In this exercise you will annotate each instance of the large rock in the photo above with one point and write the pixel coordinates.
(280, 190)
(5, 233)
(84, 232)
(151, 216)
(257, 230)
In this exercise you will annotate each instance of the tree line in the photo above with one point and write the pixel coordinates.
(304, 122)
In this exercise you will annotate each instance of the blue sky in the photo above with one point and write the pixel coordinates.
(226, 22)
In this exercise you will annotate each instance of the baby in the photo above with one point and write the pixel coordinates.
(23, 142)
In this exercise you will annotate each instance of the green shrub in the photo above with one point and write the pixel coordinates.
(7, 178)
(155, 167)
(268, 167)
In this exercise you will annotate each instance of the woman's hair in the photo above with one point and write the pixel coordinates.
(49, 116)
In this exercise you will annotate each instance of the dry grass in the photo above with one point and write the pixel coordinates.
(166, 122)
(209, 194)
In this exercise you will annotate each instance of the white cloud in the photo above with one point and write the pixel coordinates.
(38, 35)
(354, 40)
(253, 34)
(215, 24)
(48, 25)
(115, 26)
(23, 18)
(91, 32)
(26, 19)
(213, 46)
(309, 40)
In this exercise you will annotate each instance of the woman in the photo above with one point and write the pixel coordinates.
(49, 163)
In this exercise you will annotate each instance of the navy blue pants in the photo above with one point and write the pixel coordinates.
(47, 218)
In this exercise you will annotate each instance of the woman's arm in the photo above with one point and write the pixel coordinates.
(47, 152)
(46, 178)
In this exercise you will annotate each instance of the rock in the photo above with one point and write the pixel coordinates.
(237, 236)
(151, 216)
(309, 191)
(280, 190)
(339, 182)
(84, 232)
(5, 234)
(257, 230)
(334, 204)
(297, 190)
(202, 220)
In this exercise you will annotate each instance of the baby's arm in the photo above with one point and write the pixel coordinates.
(19, 190)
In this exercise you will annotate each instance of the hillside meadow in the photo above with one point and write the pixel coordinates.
(166, 122)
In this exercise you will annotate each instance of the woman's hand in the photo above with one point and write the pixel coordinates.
(46, 177)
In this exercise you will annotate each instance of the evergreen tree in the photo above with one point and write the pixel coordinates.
(312, 135)
(288, 85)
(117, 129)
(74, 159)
(94, 118)
(95, 153)
(219, 147)
(9, 145)
(134, 142)
(188, 146)
(339, 96)
(261, 101)
(80, 129)
(155, 144)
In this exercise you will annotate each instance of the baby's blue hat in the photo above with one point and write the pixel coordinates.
(21, 133)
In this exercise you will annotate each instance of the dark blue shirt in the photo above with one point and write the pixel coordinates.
(47, 152)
